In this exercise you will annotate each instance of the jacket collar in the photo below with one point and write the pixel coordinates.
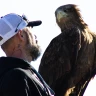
(7, 63)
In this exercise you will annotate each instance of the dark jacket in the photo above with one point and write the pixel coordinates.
(19, 78)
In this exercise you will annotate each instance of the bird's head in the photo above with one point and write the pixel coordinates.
(69, 15)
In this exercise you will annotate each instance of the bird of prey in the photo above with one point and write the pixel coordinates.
(69, 61)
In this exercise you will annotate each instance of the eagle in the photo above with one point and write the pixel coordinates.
(69, 61)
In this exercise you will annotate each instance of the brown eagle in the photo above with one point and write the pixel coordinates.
(69, 61)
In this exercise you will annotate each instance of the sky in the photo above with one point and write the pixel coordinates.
(44, 10)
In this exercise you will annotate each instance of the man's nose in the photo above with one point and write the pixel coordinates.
(35, 36)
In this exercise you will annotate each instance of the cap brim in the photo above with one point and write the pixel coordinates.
(34, 23)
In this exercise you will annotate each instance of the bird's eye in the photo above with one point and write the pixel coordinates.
(65, 10)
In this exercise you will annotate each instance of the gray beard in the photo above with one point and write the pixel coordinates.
(35, 52)
(32, 50)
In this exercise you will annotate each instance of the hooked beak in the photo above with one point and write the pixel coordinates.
(60, 14)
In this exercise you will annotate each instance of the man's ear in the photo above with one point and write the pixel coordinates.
(21, 35)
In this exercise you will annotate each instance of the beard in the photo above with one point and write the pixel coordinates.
(34, 51)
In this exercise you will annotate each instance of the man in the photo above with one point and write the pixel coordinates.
(17, 76)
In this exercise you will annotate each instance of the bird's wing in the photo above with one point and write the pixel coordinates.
(55, 61)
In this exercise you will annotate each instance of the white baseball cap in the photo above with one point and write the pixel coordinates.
(11, 23)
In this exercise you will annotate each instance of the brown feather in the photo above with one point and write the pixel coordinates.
(68, 61)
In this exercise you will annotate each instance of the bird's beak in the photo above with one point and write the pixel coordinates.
(60, 14)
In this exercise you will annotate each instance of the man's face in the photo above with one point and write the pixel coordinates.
(31, 46)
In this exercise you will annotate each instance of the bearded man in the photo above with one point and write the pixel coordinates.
(17, 76)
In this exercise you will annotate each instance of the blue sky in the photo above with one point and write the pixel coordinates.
(44, 10)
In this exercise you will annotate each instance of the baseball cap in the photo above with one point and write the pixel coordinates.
(11, 23)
